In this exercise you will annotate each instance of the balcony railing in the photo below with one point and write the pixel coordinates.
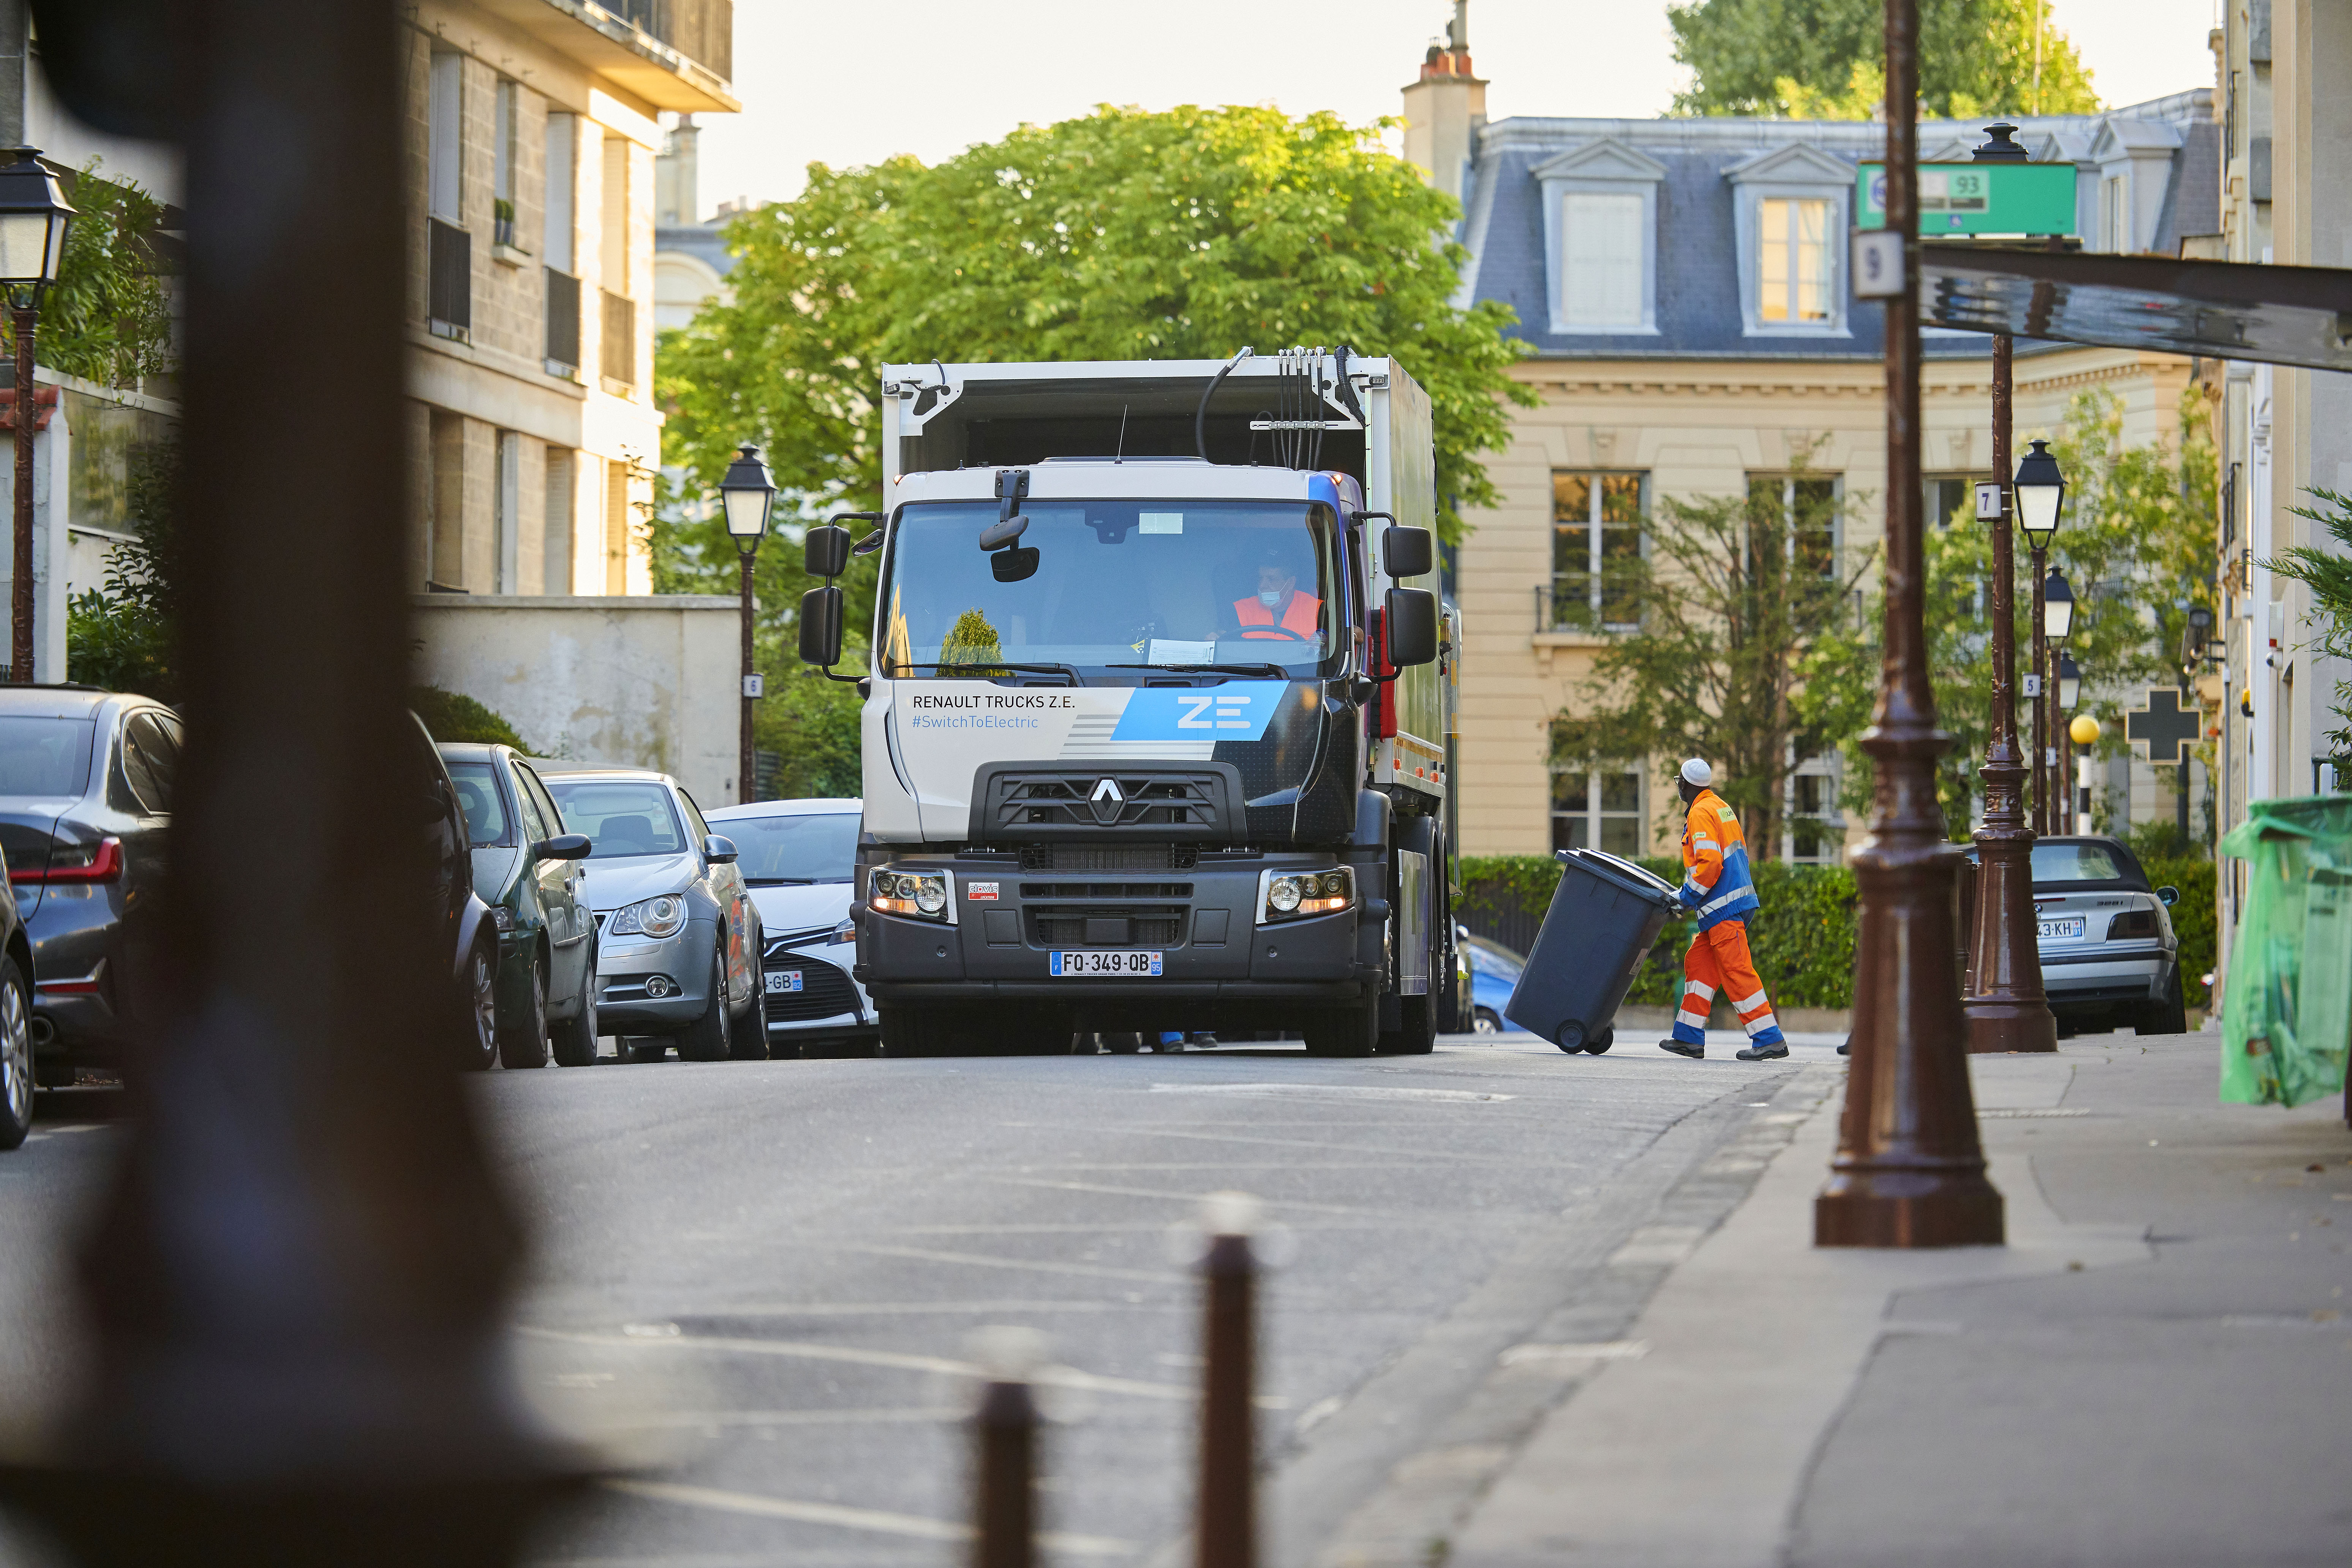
(450, 280)
(563, 322)
(617, 360)
(1568, 604)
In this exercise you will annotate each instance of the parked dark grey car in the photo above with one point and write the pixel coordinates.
(2108, 952)
(86, 781)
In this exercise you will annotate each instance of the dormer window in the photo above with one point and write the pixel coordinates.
(1791, 206)
(1601, 239)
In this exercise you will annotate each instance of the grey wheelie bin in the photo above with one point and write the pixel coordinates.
(1600, 925)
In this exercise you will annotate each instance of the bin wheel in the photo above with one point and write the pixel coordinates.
(1602, 1041)
(1571, 1036)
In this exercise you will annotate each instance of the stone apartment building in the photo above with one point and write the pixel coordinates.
(2285, 108)
(1682, 285)
(531, 134)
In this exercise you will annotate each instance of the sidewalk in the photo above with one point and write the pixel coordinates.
(2156, 1371)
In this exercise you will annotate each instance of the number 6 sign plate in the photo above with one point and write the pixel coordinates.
(1877, 264)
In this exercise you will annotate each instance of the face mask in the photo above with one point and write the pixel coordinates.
(1269, 597)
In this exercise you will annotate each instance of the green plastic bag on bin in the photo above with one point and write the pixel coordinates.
(2286, 1014)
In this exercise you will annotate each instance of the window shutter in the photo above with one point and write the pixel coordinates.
(1601, 259)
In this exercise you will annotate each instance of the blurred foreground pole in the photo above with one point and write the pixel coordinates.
(1005, 1522)
(1226, 1533)
(1909, 1171)
(295, 1283)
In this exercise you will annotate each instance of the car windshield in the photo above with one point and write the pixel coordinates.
(486, 809)
(816, 846)
(1112, 583)
(2063, 862)
(620, 817)
(1493, 958)
(43, 758)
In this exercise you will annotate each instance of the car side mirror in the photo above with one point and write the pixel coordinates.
(2167, 897)
(821, 623)
(719, 851)
(826, 551)
(1406, 551)
(564, 846)
(1409, 623)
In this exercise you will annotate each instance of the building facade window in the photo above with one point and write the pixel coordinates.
(444, 145)
(505, 502)
(1601, 261)
(1809, 513)
(2114, 213)
(1597, 809)
(1792, 271)
(1813, 826)
(1596, 551)
(506, 112)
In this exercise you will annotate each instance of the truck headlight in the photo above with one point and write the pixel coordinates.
(657, 917)
(923, 894)
(1293, 894)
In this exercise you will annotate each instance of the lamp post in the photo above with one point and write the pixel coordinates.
(2070, 687)
(2057, 621)
(2040, 492)
(1909, 1169)
(747, 495)
(2006, 1008)
(34, 218)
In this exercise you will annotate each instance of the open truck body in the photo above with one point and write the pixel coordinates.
(1135, 755)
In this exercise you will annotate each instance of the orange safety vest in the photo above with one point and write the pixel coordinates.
(1300, 617)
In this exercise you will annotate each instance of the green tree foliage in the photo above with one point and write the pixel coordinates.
(1123, 235)
(1824, 59)
(125, 634)
(1731, 592)
(455, 717)
(2329, 578)
(2135, 545)
(108, 316)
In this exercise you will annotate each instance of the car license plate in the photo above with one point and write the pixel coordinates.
(782, 980)
(2070, 929)
(1126, 963)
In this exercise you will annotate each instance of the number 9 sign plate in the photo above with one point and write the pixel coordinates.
(1877, 264)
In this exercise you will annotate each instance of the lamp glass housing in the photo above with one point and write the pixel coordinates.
(2070, 681)
(2041, 492)
(34, 218)
(2057, 607)
(747, 495)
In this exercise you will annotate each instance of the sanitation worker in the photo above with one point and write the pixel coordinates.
(1278, 604)
(1717, 884)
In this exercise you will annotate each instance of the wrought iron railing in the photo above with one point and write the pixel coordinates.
(1569, 603)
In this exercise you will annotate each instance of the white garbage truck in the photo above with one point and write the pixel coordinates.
(1156, 705)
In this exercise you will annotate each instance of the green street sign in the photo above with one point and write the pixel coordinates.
(1977, 198)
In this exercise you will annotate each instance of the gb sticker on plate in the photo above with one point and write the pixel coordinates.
(981, 892)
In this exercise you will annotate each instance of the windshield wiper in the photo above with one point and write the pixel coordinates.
(788, 881)
(978, 665)
(1272, 669)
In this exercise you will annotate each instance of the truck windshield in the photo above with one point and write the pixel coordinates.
(1116, 583)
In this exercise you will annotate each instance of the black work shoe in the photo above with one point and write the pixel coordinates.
(1762, 1053)
(1682, 1049)
(1845, 1046)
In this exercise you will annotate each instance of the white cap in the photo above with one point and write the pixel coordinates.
(1696, 771)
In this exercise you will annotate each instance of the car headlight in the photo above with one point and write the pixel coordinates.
(1298, 893)
(502, 918)
(923, 894)
(846, 932)
(657, 917)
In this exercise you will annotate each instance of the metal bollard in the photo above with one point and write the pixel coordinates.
(1225, 1535)
(1004, 1432)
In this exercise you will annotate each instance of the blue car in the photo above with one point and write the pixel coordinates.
(1494, 971)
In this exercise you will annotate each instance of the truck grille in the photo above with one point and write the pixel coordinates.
(1100, 928)
(1027, 803)
(1110, 857)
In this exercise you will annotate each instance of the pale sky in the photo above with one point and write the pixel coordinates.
(846, 84)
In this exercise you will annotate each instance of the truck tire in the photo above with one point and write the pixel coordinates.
(709, 1038)
(1416, 1030)
(1344, 1031)
(1419, 1035)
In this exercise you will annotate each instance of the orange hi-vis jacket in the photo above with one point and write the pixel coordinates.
(1716, 880)
(1299, 616)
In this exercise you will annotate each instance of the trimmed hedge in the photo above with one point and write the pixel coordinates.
(1803, 938)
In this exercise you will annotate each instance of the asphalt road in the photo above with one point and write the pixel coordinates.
(761, 1282)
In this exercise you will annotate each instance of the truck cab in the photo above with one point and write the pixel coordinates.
(1152, 739)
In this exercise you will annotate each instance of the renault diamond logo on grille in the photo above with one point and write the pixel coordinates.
(1106, 801)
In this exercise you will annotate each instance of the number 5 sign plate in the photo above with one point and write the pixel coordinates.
(1877, 264)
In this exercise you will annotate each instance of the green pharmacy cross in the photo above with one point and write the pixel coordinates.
(2167, 728)
(1977, 198)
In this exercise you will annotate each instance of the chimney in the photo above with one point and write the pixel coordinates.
(676, 203)
(1444, 110)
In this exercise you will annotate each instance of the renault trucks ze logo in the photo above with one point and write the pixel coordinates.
(1238, 711)
(1106, 801)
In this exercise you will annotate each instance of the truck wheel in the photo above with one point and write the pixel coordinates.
(708, 1038)
(911, 1032)
(1344, 1031)
(1419, 1035)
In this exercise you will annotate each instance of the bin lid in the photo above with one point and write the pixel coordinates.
(1624, 873)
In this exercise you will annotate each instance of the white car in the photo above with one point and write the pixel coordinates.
(800, 860)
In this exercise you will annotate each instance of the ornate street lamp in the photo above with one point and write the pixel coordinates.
(2070, 687)
(2040, 492)
(747, 496)
(34, 218)
(2057, 606)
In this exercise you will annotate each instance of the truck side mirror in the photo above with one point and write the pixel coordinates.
(821, 623)
(1406, 551)
(1409, 623)
(826, 551)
